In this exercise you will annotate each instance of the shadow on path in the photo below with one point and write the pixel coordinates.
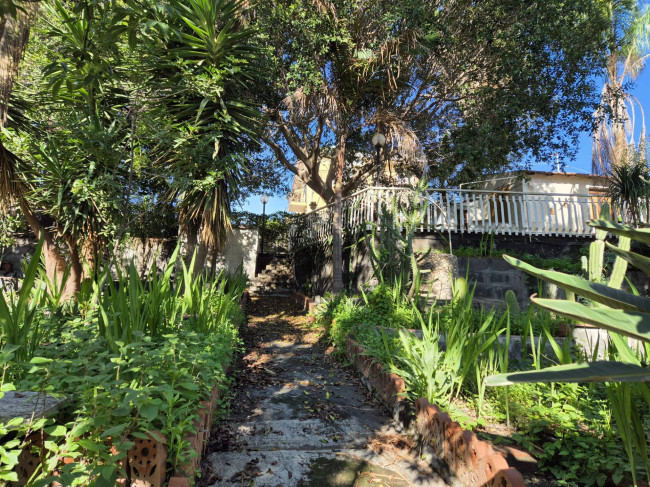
(299, 418)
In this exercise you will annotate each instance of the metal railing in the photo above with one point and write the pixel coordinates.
(463, 211)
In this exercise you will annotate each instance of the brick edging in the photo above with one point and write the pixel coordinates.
(305, 302)
(245, 298)
(473, 461)
(184, 477)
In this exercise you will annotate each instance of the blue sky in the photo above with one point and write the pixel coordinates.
(582, 163)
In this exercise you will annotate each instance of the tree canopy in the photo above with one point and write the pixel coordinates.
(459, 87)
(130, 108)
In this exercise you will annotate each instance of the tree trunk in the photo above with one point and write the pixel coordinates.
(202, 250)
(192, 235)
(337, 220)
(90, 254)
(14, 34)
(73, 284)
(54, 262)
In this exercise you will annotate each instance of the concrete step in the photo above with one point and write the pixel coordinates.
(299, 434)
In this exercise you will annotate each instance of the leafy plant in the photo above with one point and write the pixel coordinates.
(421, 363)
(19, 321)
(622, 314)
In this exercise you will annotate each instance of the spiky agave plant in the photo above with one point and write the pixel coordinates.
(624, 315)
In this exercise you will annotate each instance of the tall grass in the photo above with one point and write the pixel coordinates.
(19, 320)
(160, 304)
(471, 351)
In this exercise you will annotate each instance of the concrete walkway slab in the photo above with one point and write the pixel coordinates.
(299, 418)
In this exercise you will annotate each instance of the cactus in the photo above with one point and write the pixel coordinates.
(620, 264)
(594, 265)
(512, 303)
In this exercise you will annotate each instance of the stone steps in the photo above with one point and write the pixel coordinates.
(302, 420)
(275, 279)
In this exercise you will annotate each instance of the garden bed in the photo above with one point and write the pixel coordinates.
(141, 365)
(446, 357)
(469, 459)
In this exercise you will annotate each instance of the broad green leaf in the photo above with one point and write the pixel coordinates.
(614, 298)
(149, 411)
(629, 323)
(58, 430)
(641, 262)
(115, 430)
(40, 360)
(91, 445)
(601, 371)
(638, 234)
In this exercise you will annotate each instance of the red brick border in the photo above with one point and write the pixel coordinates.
(305, 302)
(185, 476)
(473, 461)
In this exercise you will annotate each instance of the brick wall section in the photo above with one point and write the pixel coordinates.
(386, 385)
(305, 303)
(472, 461)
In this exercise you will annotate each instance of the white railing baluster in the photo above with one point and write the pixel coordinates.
(515, 203)
(461, 210)
(501, 223)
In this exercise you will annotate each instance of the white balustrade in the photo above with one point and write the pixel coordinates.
(463, 211)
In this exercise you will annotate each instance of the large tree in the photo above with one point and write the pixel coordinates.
(463, 86)
(627, 48)
(127, 99)
(16, 19)
(69, 165)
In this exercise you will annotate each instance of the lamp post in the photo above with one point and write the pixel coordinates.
(378, 140)
(264, 199)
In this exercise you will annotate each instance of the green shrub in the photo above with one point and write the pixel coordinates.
(140, 358)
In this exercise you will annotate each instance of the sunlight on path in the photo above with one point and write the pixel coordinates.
(299, 418)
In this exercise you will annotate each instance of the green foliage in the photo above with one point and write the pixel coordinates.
(140, 359)
(423, 366)
(622, 315)
(384, 307)
(546, 416)
(19, 313)
(459, 350)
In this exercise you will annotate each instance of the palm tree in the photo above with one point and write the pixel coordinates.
(16, 18)
(212, 104)
(627, 46)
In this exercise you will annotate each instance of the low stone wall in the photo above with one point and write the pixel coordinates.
(241, 249)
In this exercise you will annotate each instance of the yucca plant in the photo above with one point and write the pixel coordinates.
(629, 186)
(624, 315)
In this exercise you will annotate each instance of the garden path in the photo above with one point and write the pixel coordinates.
(300, 418)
